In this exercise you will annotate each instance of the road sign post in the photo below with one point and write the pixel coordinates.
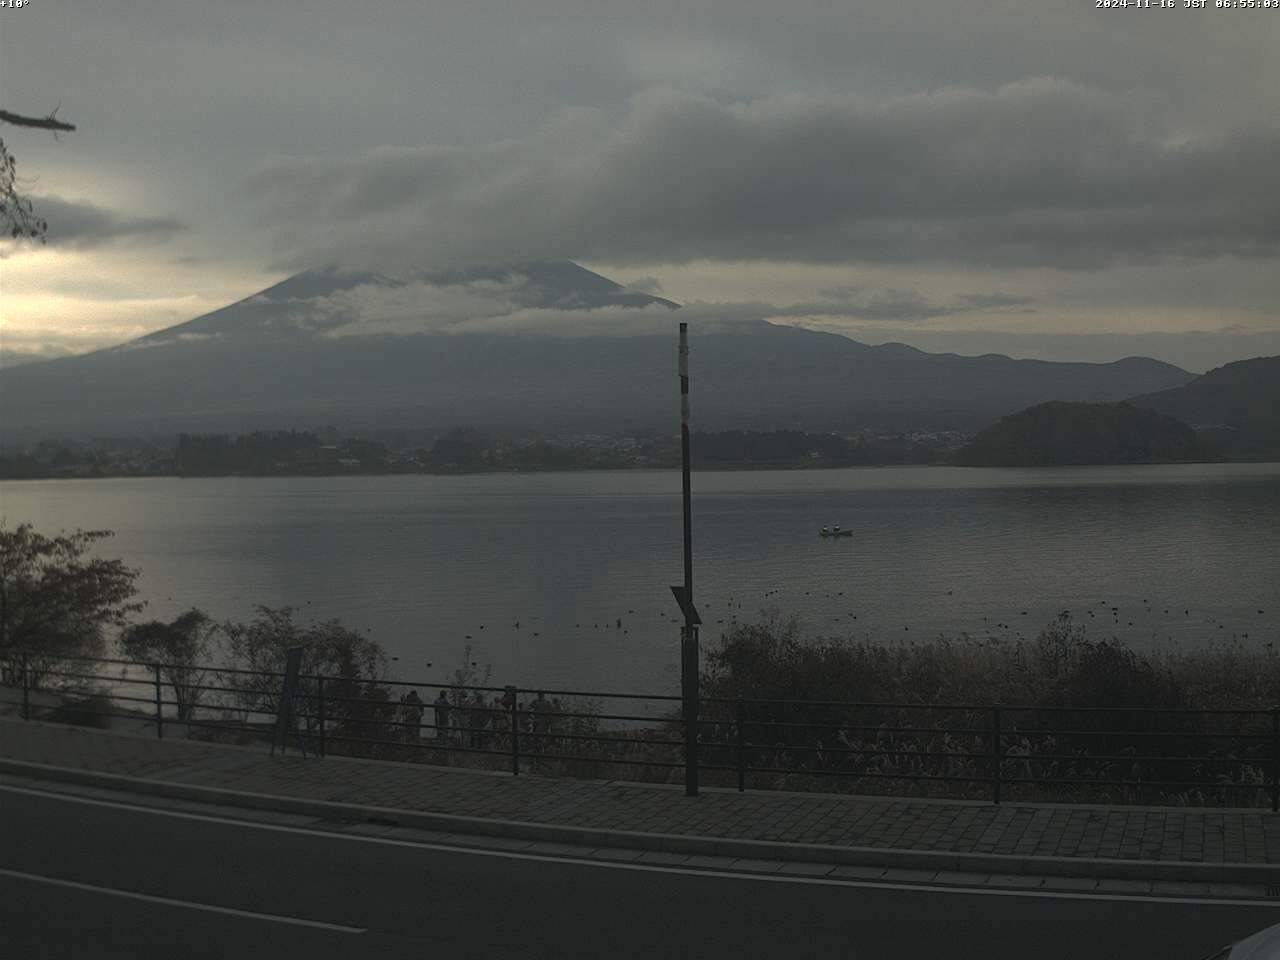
(284, 707)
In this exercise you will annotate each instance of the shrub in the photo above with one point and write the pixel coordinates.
(901, 727)
(85, 711)
(356, 699)
(183, 648)
(59, 601)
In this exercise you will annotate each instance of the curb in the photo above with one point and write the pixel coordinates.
(993, 863)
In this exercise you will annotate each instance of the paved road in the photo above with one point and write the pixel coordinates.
(311, 892)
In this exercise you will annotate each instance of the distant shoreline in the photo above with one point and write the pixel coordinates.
(705, 468)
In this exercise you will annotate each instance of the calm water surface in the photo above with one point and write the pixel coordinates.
(1189, 553)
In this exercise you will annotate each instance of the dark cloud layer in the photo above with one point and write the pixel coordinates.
(911, 146)
(78, 223)
(1038, 172)
(510, 303)
(895, 305)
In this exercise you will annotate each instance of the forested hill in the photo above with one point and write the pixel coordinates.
(1058, 434)
(1236, 407)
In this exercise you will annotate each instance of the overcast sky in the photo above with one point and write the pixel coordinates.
(1038, 179)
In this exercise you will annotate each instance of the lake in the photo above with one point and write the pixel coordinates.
(1190, 554)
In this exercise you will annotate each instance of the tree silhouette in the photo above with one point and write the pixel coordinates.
(17, 216)
(58, 600)
(183, 649)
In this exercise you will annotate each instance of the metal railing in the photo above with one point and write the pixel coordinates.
(992, 751)
(1135, 750)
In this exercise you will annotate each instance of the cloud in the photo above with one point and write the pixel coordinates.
(78, 223)
(647, 285)
(25, 344)
(501, 307)
(1036, 173)
(16, 356)
(861, 303)
(512, 302)
(416, 307)
(487, 306)
(993, 301)
(150, 343)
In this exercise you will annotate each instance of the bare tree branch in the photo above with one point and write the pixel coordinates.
(44, 123)
(17, 218)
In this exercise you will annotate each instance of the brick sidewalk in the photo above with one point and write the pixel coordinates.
(1138, 833)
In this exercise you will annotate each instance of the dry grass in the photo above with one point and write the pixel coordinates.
(899, 750)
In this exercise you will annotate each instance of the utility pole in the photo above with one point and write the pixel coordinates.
(684, 594)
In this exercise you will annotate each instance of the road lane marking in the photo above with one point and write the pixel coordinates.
(648, 868)
(171, 902)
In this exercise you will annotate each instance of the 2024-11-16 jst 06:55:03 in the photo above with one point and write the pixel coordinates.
(1187, 4)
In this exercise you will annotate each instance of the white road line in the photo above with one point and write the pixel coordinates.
(184, 904)
(652, 868)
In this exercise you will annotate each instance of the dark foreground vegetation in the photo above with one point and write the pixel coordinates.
(1060, 720)
(1062, 717)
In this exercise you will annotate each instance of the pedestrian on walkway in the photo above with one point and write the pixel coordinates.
(501, 722)
(555, 726)
(479, 720)
(507, 703)
(442, 719)
(413, 710)
(522, 709)
(538, 711)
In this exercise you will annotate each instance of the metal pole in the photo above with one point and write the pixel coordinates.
(159, 712)
(26, 689)
(742, 756)
(995, 754)
(513, 695)
(689, 636)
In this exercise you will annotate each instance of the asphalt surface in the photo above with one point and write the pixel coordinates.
(64, 866)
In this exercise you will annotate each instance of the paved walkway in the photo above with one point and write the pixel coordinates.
(1128, 833)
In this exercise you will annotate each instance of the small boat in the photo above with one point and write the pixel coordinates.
(836, 531)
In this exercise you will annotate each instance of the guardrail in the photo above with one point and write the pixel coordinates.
(992, 751)
(1000, 747)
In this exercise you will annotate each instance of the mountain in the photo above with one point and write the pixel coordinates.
(278, 309)
(543, 346)
(1059, 434)
(1236, 406)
